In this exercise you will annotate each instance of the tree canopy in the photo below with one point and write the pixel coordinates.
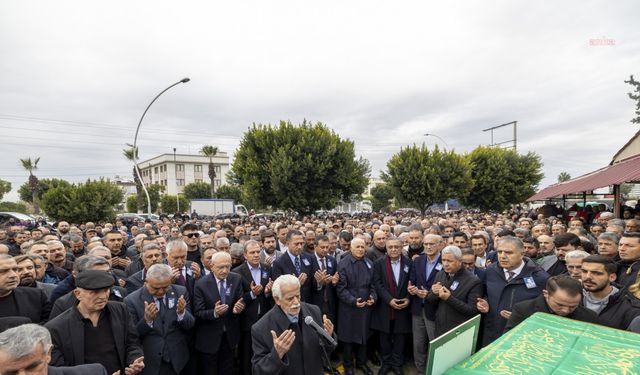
(502, 177)
(5, 187)
(636, 97)
(381, 195)
(43, 186)
(197, 190)
(303, 167)
(421, 177)
(90, 201)
(564, 176)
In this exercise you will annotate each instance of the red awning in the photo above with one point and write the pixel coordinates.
(627, 170)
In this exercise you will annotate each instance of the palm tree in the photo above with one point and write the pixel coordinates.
(34, 183)
(131, 154)
(211, 151)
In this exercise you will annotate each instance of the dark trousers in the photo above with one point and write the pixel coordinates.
(166, 369)
(219, 363)
(245, 352)
(392, 347)
(360, 353)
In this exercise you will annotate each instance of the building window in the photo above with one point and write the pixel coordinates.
(180, 182)
(155, 170)
(218, 170)
(197, 168)
(180, 167)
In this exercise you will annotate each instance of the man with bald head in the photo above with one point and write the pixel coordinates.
(377, 249)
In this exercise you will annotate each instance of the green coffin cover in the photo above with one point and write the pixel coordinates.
(550, 344)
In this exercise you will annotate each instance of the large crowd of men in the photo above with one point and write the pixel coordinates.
(205, 296)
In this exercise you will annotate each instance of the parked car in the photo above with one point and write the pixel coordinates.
(19, 219)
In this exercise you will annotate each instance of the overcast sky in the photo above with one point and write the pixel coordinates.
(77, 75)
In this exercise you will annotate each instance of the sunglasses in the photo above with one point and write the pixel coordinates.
(191, 235)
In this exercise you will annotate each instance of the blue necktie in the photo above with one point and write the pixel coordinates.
(223, 292)
(297, 264)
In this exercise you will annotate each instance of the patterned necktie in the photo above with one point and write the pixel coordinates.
(223, 292)
(181, 280)
(511, 275)
(297, 264)
(322, 266)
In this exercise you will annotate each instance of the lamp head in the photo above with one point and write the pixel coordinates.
(185, 80)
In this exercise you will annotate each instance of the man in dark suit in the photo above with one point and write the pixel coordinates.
(295, 262)
(391, 315)
(455, 292)
(561, 296)
(20, 301)
(27, 349)
(162, 315)
(217, 305)
(150, 254)
(89, 331)
(282, 343)
(185, 272)
(256, 286)
(326, 277)
(423, 272)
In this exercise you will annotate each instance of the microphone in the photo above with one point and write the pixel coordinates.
(319, 330)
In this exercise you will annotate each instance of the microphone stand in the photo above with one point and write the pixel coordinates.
(332, 371)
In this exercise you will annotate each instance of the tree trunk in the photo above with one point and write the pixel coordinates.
(34, 185)
(212, 177)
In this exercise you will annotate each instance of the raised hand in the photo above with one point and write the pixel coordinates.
(220, 309)
(482, 305)
(283, 343)
(150, 311)
(238, 307)
(256, 289)
(327, 325)
(181, 305)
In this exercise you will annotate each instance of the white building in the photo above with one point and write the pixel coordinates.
(127, 185)
(174, 171)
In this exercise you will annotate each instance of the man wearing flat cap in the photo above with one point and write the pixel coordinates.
(96, 330)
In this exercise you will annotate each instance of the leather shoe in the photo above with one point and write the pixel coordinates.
(384, 370)
(365, 369)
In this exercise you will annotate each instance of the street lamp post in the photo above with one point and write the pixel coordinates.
(135, 142)
(175, 172)
(446, 203)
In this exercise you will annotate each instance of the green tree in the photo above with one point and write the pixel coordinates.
(168, 204)
(5, 187)
(13, 207)
(502, 177)
(381, 196)
(302, 167)
(564, 176)
(132, 203)
(30, 166)
(211, 151)
(131, 154)
(635, 96)
(421, 178)
(229, 192)
(43, 186)
(154, 195)
(93, 200)
(197, 190)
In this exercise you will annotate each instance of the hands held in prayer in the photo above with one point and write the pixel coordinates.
(283, 343)
(415, 291)
(256, 289)
(327, 325)
(441, 291)
(181, 305)
(399, 304)
(238, 307)
(150, 312)
(482, 305)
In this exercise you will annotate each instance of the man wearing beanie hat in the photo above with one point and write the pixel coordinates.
(96, 330)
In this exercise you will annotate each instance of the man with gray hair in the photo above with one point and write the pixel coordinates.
(150, 254)
(573, 260)
(455, 292)
(608, 245)
(27, 349)
(282, 343)
(162, 315)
